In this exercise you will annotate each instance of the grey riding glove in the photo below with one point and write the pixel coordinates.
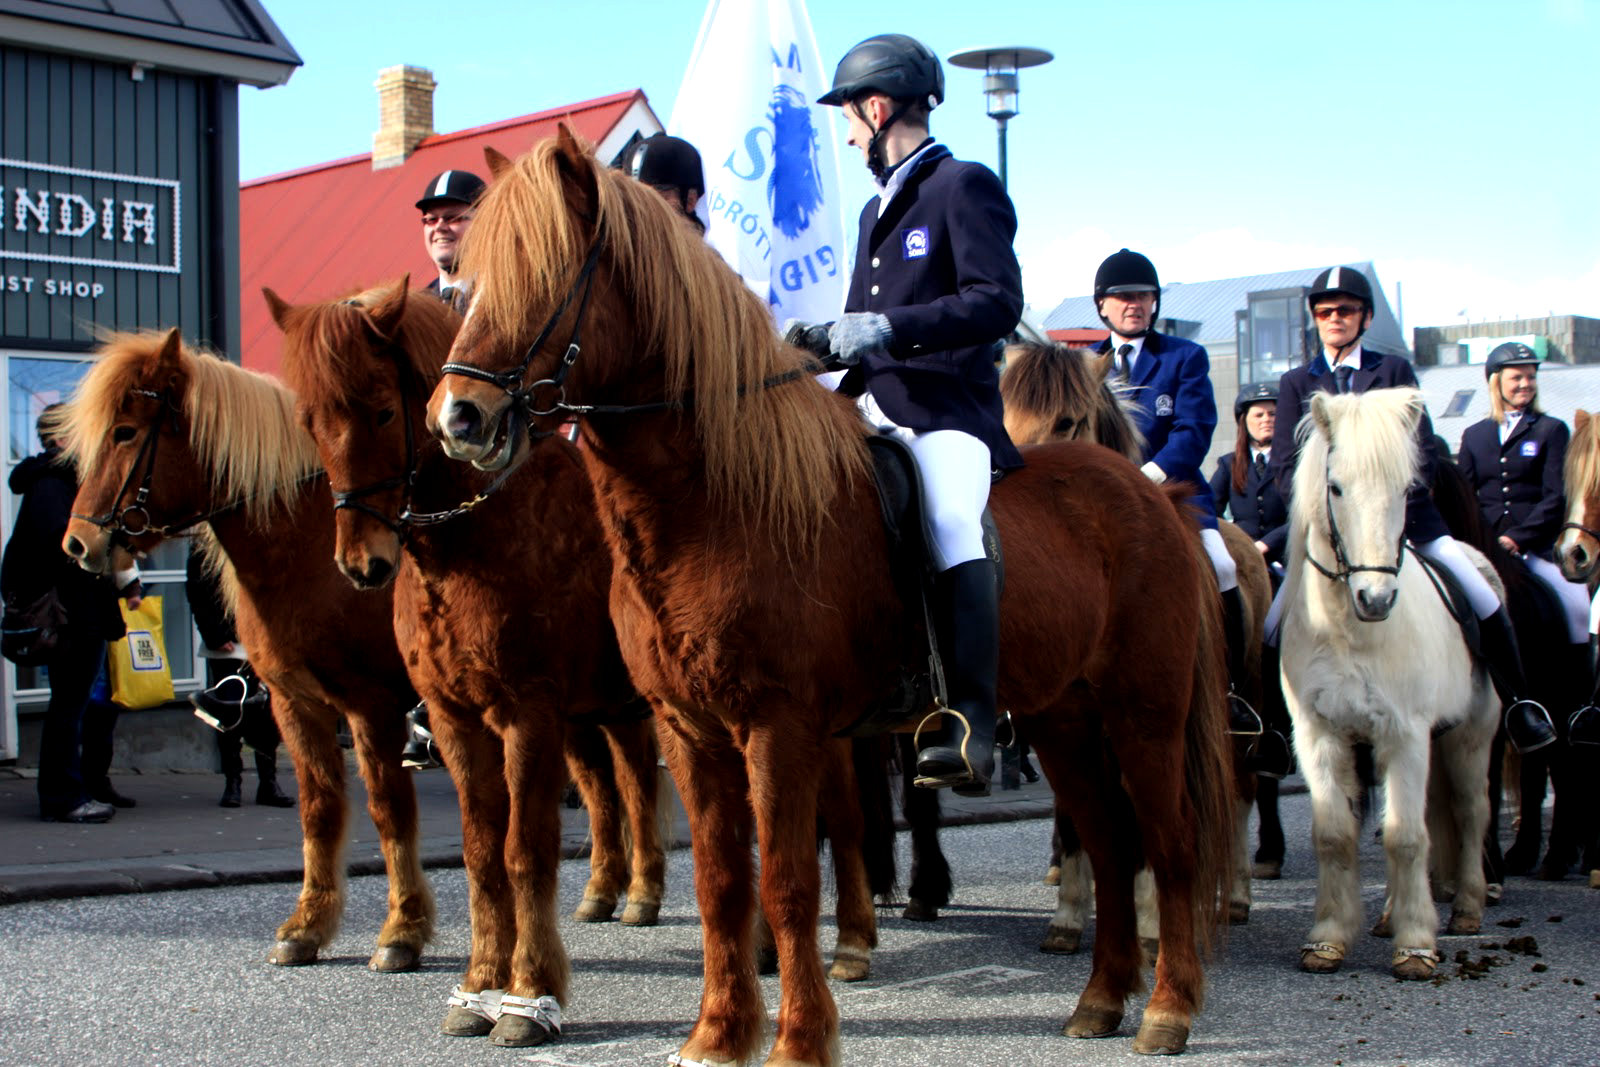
(859, 332)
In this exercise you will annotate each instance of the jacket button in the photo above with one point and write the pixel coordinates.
(874, 261)
(874, 290)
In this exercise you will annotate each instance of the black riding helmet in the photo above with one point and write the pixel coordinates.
(1126, 272)
(901, 68)
(1510, 354)
(1350, 282)
(662, 159)
(1253, 394)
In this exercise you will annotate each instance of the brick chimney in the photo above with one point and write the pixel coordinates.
(405, 113)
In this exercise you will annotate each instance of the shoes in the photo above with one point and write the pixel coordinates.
(966, 616)
(230, 793)
(107, 794)
(88, 811)
(1528, 726)
(1029, 774)
(269, 795)
(420, 753)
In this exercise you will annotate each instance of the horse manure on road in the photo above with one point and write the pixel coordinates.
(1526, 945)
(1511, 924)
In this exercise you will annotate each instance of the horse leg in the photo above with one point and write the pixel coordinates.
(1410, 909)
(1075, 883)
(1270, 848)
(531, 1008)
(1239, 884)
(930, 873)
(473, 755)
(1562, 851)
(1524, 851)
(589, 764)
(307, 728)
(1329, 766)
(856, 918)
(783, 793)
(1463, 759)
(711, 779)
(392, 803)
(633, 760)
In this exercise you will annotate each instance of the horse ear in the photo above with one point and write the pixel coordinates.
(171, 348)
(1099, 364)
(278, 306)
(389, 308)
(1319, 413)
(576, 165)
(498, 164)
(1580, 419)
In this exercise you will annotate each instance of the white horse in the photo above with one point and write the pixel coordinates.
(1370, 653)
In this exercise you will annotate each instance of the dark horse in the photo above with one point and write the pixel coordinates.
(756, 611)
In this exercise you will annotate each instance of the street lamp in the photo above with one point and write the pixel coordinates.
(1000, 66)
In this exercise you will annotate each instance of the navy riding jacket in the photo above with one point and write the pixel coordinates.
(1378, 370)
(1520, 490)
(939, 264)
(1259, 511)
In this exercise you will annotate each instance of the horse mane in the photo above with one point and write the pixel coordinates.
(1377, 428)
(776, 455)
(242, 424)
(1055, 392)
(336, 335)
(1582, 473)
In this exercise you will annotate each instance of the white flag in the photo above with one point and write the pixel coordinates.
(748, 103)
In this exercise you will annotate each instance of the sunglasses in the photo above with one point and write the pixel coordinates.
(1343, 311)
(431, 219)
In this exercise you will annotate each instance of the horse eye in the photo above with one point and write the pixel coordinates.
(122, 434)
(386, 416)
(1335, 490)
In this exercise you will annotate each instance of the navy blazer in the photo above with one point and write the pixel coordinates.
(940, 266)
(1519, 483)
(1259, 511)
(1378, 370)
(1175, 410)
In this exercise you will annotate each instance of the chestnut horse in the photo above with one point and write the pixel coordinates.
(1058, 393)
(755, 608)
(168, 440)
(1578, 550)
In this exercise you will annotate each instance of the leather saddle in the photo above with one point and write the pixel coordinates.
(1455, 600)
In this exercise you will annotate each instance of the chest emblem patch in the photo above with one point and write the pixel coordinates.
(1164, 404)
(1530, 448)
(914, 242)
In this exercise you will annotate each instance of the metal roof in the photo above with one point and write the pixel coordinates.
(1212, 304)
(232, 38)
(1563, 389)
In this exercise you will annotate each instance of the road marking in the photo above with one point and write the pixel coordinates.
(970, 978)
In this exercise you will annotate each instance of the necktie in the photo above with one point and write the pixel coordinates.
(1342, 377)
(1261, 465)
(1123, 368)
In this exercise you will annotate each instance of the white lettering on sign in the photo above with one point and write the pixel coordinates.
(66, 197)
(27, 283)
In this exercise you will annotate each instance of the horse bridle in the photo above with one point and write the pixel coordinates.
(134, 520)
(1581, 528)
(1341, 559)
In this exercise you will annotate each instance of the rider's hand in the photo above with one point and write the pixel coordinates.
(810, 337)
(1509, 545)
(857, 333)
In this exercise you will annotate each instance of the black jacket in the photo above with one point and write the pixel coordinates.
(1520, 490)
(34, 562)
(939, 264)
(205, 601)
(1259, 511)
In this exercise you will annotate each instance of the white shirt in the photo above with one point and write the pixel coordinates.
(1351, 358)
(897, 180)
(1509, 425)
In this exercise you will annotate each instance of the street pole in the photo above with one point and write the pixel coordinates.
(1001, 123)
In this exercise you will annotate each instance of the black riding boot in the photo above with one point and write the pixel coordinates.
(1242, 718)
(224, 706)
(1583, 727)
(966, 614)
(1528, 725)
(420, 752)
(1272, 756)
(267, 791)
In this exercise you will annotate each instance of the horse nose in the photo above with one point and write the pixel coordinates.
(378, 572)
(75, 547)
(1375, 604)
(462, 420)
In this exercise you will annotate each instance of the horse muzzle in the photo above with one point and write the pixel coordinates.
(468, 432)
(88, 544)
(1373, 601)
(1577, 559)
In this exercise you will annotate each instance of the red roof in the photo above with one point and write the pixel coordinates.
(322, 231)
(1079, 338)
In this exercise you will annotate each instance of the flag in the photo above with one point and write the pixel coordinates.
(772, 205)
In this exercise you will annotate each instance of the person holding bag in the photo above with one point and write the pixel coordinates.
(75, 746)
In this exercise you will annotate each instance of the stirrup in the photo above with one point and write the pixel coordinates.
(209, 718)
(1542, 720)
(1236, 702)
(1578, 733)
(955, 778)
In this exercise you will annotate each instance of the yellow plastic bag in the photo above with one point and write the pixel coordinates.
(141, 676)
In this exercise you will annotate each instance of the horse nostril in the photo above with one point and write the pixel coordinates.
(75, 548)
(378, 571)
(462, 420)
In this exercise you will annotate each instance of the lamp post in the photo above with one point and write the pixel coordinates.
(1000, 66)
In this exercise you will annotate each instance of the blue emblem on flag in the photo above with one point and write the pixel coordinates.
(1530, 448)
(794, 189)
(916, 242)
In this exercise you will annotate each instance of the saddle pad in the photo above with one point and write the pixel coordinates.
(1454, 598)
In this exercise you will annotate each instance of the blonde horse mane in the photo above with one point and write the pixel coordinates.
(242, 424)
(337, 334)
(1054, 392)
(778, 454)
(1375, 432)
(1582, 474)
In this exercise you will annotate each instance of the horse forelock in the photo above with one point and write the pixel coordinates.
(1056, 392)
(775, 454)
(1582, 473)
(1374, 446)
(333, 355)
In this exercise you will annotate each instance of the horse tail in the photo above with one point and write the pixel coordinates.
(872, 756)
(1208, 774)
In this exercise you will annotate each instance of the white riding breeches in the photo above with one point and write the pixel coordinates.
(955, 469)
(1221, 560)
(1574, 596)
(1446, 552)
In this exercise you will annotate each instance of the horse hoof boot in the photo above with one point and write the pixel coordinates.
(1267, 870)
(920, 912)
(459, 1022)
(1594, 879)
(642, 913)
(514, 1031)
(1415, 964)
(1161, 1037)
(1061, 940)
(292, 953)
(1321, 958)
(1090, 1021)
(595, 910)
(395, 959)
(850, 965)
(1238, 913)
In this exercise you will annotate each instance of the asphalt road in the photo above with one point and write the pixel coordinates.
(180, 978)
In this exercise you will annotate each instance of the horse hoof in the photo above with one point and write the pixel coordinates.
(292, 954)
(515, 1031)
(1321, 959)
(918, 912)
(1061, 940)
(1161, 1038)
(1151, 946)
(850, 968)
(1414, 968)
(459, 1022)
(595, 910)
(1093, 1022)
(1520, 857)
(1381, 928)
(1466, 924)
(1238, 913)
(643, 913)
(1594, 879)
(394, 959)
(1267, 871)
(767, 960)
(1053, 875)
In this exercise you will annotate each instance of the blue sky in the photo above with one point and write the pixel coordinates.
(1455, 144)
